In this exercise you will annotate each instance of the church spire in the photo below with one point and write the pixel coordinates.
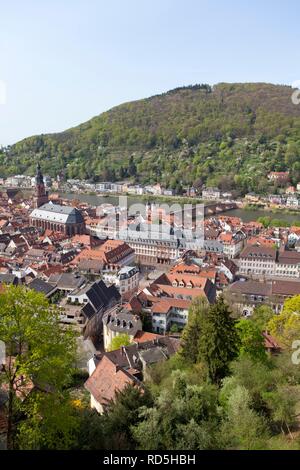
(41, 196)
(39, 179)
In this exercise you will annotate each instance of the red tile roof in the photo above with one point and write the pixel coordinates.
(270, 342)
(165, 304)
(143, 336)
(106, 380)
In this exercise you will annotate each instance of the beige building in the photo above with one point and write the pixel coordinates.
(261, 261)
(117, 321)
(258, 260)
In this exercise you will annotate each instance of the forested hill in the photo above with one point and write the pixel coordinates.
(229, 135)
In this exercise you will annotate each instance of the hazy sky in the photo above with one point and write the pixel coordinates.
(64, 61)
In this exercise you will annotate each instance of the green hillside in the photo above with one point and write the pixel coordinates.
(230, 135)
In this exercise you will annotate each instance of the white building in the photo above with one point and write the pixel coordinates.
(127, 279)
(169, 311)
(211, 193)
(292, 201)
(233, 243)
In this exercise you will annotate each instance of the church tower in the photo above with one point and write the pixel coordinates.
(41, 195)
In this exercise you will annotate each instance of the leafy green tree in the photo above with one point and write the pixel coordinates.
(251, 340)
(243, 428)
(261, 316)
(131, 167)
(51, 422)
(286, 326)
(265, 220)
(39, 351)
(119, 340)
(174, 416)
(282, 404)
(174, 328)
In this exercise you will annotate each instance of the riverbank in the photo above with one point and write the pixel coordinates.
(270, 210)
(139, 198)
(247, 212)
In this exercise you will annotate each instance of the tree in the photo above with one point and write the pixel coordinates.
(192, 332)
(243, 428)
(120, 340)
(176, 413)
(219, 341)
(174, 328)
(251, 340)
(51, 422)
(123, 414)
(285, 327)
(40, 353)
(261, 316)
(131, 167)
(282, 402)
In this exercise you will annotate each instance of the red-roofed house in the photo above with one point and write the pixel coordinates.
(106, 380)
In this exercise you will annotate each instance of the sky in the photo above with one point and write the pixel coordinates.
(65, 61)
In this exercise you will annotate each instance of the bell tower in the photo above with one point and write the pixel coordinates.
(41, 195)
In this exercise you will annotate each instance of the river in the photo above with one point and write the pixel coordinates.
(246, 215)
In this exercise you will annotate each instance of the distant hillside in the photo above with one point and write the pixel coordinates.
(230, 135)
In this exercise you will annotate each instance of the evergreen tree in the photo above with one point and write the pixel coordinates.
(218, 341)
(192, 332)
(131, 167)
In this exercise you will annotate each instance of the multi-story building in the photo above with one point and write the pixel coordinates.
(103, 187)
(117, 321)
(167, 312)
(233, 243)
(263, 261)
(258, 260)
(126, 280)
(111, 255)
(168, 298)
(246, 295)
(288, 264)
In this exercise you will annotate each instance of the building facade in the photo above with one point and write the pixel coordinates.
(65, 219)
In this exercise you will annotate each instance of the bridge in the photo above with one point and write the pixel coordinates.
(218, 207)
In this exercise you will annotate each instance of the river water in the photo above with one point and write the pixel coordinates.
(246, 215)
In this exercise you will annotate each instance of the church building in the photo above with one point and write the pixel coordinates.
(56, 217)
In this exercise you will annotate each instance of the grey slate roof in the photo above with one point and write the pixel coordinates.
(67, 281)
(7, 278)
(42, 286)
(57, 213)
(99, 296)
(122, 321)
(149, 352)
